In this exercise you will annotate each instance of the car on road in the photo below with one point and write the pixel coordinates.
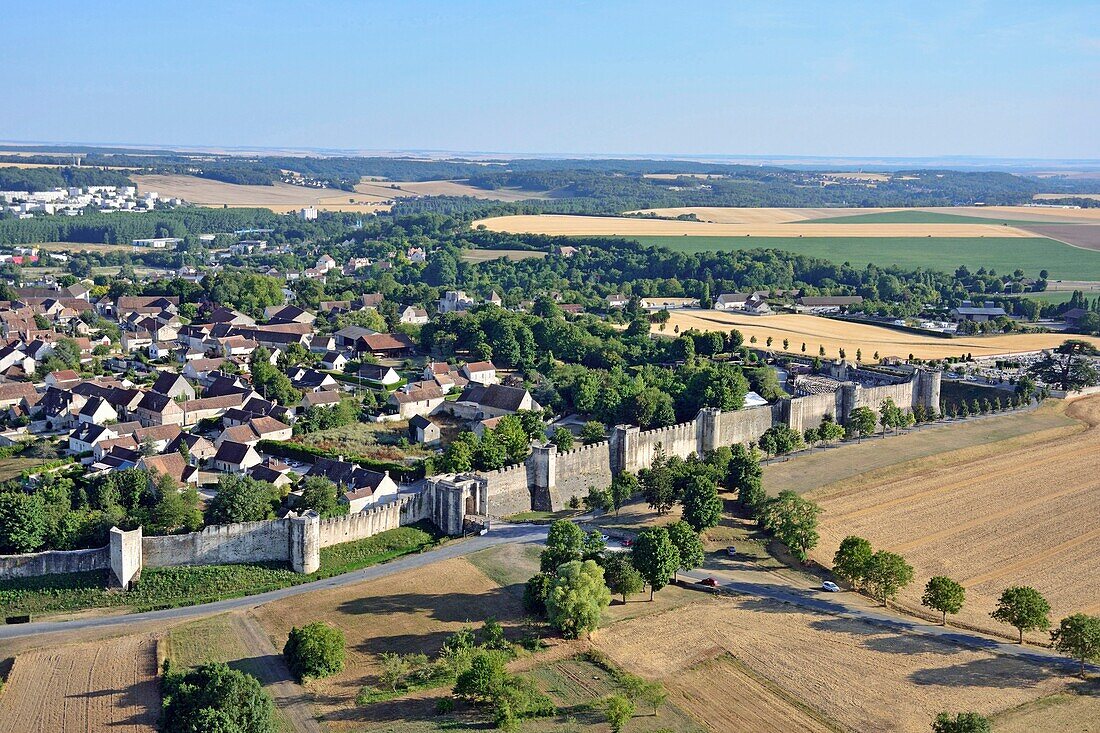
(709, 582)
(627, 543)
(830, 586)
(731, 551)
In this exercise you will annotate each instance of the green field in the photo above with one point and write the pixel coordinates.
(916, 216)
(1003, 254)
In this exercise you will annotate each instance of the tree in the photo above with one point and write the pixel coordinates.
(511, 435)
(829, 431)
(623, 487)
(563, 439)
(173, 508)
(861, 421)
(961, 723)
(850, 560)
(322, 496)
(483, 678)
(1069, 367)
(315, 650)
(944, 595)
(593, 432)
(213, 698)
(793, 521)
(597, 499)
(655, 557)
(889, 415)
(594, 546)
(269, 381)
(564, 543)
(577, 598)
(886, 574)
(1079, 637)
(22, 522)
(535, 592)
(688, 545)
(702, 505)
(395, 668)
(1024, 608)
(780, 439)
(744, 476)
(658, 484)
(619, 711)
(621, 577)
(242, 499)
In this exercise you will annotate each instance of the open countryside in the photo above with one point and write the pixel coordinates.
(834, 334)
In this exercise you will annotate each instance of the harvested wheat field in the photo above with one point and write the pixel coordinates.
(407, 613)
(94, 687)
(566, 224)
(835, 335)
(280, 197)
(1024, 516)
(394, 189)
(856, 675)
(1079, 713)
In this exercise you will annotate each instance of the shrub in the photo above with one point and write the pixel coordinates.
(315, 650)
(214, 697)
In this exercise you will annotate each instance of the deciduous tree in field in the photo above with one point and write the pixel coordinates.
(577, 598)
(315, 650)
(688, 545)
(621, 577)
(850, 560)
(702, 505)
(1079, 637)
(886, 574)
(744, 477)
(793, 521)
(658, 483)
(618, 710)
(623, 487)
(861, 421)
(655, 557)
(944, 595)
(1024, 608)
(961, 723)
(564, 543)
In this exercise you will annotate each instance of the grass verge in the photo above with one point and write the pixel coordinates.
(192, 585)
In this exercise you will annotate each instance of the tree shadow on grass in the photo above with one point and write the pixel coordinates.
(991, 672)
(453, 607)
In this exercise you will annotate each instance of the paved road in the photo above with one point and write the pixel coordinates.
(501, 533)
(750, 582)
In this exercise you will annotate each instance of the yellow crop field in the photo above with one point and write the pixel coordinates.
(442, 188)
(566, 224)
(859, 676)
(1022, 516)
(281, 197)
(834, 335)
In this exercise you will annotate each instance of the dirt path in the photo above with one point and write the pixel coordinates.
(291, 699)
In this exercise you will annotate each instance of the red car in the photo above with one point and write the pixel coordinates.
(627, 543)
(709, 582)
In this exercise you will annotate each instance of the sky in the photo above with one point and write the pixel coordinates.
(825, 77)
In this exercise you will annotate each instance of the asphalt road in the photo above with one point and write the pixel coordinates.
(749, 582)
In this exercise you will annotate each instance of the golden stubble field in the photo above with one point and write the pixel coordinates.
(845, 671)
(94, 687)
(834, 335)
(1025, 516)
(784, 223)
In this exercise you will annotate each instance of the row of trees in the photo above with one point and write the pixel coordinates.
(884, 574)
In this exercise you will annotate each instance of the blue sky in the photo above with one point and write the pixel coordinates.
(1007, 79)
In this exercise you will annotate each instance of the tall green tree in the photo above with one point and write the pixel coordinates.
(577, 598)
(1079, 637)
(214, 698)
(1023, 608)
(621, 576)
(322, 496)
(886, 574)
(564, 543)
(862, 421)
(658, 482)
(850, 560)
(961, 723)
(792, 519)
(655, 557)
(702, 504)
(688, 544)
(944, 595)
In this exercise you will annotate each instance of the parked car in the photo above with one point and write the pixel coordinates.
(709, 582)
(627, 543)
(731, 550)
(830, 586)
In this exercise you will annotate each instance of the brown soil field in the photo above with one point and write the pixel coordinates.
(93, 687)
(835, 335)
(757, 706)
(1054, 196)
(413, 612)
(486, 255)
(860, 676)
(565, 224)
(1025, 515)
(444, 188)
(1079, 235)
(281, 197)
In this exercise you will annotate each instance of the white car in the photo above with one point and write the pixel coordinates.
(830, 586)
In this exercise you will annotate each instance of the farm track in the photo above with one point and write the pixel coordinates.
(292, 704)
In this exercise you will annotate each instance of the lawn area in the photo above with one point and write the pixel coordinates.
(873, 459)
(12, 467)
(191, 585)
(486, 255)
(1004, 254)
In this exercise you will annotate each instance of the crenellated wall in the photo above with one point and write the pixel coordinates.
(576, 470)
(221, 545)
